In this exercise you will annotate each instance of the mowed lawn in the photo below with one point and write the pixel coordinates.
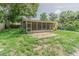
(13, 42)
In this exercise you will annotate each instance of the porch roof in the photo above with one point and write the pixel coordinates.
(39, 21)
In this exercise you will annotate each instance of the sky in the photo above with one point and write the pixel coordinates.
(56, 7)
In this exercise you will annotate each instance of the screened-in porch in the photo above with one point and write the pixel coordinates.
(36, 26)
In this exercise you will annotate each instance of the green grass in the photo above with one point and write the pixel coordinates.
(69, 40)
(13, 42)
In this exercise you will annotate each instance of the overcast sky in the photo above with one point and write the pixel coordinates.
(56, 7)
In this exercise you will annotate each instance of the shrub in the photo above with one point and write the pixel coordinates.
(70, 25)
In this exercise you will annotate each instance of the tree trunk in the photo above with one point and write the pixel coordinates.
(7, 24)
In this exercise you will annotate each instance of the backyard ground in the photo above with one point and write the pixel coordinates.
(13, 42)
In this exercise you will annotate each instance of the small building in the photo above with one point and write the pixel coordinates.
(37, 25)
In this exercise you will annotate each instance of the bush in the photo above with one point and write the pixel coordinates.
(70, 25)
(23, 31)
(55, 26)
(1, 20)
(76, 25)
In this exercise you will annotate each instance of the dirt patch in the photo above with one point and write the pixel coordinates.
(43, 35)
(48, 49)
(76, 53)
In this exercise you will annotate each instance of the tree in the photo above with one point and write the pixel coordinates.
(5, 10)
(67, 16)
(43, 16)
(67, 19)
(1, 15)
(14, 12)
(77, 15)
(28, 10)
(52, 16)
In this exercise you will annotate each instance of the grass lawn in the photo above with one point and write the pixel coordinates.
(13, 42)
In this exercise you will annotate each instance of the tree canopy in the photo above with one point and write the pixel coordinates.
(69, 20)
(43, 16)
(52, 16)
(15, 11)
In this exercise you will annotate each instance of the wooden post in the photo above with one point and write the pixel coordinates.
(31, 26)
(46, 26)
(26, 26)
(41, 25)
(36, 25)
(49, 26)
(52, 27)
